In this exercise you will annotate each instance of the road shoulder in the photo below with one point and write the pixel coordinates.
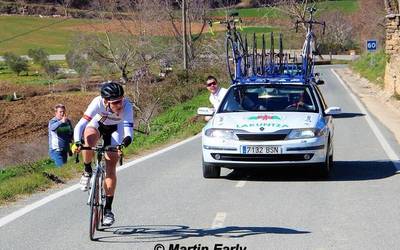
(380, 103)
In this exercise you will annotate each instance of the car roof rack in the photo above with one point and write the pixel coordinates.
(247, 64)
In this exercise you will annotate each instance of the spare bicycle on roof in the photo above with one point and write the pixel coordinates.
(246, 64)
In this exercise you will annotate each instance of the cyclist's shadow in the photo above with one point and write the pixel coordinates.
(157, 233)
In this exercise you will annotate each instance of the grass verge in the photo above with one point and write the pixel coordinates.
(346, 6)
(371, 66)
(175, 123)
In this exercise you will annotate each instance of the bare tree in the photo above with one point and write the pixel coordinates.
(369, 21)
(23, 5)
(78, 59)
(196, 19)
(66, 4)
(295, 9)
(339, 35)
(107, 46)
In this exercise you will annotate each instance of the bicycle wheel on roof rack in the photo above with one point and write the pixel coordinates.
(254, 55)
(245, 56)
(280, 54)
(231, 58)
(263, 55)
(242, 53)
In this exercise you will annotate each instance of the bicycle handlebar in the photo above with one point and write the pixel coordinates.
(227, 22)
(101, 149)
(236, 20)
(310, 22)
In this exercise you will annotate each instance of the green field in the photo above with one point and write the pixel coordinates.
(347, 6)
(21, 33)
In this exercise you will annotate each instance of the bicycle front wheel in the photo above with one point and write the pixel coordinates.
(102, 202)
(94, 207)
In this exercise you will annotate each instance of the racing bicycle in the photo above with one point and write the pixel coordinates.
(309, 46)
(236, 50)
(97, 196)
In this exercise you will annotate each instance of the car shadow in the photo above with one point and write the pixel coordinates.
(160, 233)
(348, 115)
(341, 171)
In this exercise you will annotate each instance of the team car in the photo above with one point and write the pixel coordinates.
(268, 124)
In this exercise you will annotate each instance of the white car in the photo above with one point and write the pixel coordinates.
(268, 124)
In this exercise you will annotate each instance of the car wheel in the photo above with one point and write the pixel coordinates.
(211, 171)
(326, 166)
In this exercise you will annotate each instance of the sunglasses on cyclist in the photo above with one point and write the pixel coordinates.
(116, 101)
(213, 83)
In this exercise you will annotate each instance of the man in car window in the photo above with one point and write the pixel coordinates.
(216, 93)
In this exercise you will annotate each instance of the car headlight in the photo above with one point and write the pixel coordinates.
(229, 134)
(305, 133)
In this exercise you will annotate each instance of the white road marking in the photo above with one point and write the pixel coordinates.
(20, 212)
(385, 145)
(219, 220)
(240, 184)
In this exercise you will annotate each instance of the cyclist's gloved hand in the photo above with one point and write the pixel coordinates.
(126, 141)
(76, 147)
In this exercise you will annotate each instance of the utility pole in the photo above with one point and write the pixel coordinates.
(184, 37)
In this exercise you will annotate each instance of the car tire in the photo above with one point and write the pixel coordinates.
(211, 171)
(326, 166)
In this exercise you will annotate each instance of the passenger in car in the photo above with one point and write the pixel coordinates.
(217, 93)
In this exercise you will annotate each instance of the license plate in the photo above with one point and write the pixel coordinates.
(261, 150)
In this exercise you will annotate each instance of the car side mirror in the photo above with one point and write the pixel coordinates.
(320, 82)
(205, 111)
(333, 111)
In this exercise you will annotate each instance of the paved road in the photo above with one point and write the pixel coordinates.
(165, 200)
(51, 58)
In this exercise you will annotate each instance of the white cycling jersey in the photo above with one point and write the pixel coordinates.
(98, 113)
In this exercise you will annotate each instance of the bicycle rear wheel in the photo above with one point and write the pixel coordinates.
(94, 207)
(255, 58)
(242, 54)
(231, 58)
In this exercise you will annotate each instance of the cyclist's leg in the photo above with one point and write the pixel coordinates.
(113, 139)
(91, 135)
(110, 181)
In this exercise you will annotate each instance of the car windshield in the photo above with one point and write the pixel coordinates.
(269, 97)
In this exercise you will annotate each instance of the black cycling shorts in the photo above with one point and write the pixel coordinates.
(106, 132)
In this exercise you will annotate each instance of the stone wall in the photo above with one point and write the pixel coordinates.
(392, 71)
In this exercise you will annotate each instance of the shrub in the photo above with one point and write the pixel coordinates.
(39, 56)
(51, 69)
(16, 63)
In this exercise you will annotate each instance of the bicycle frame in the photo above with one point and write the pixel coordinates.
(309, 45)
(99, 172)
(96, 198)
(234, 45)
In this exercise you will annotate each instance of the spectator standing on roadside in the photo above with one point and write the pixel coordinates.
(60, 136)
(216, 93)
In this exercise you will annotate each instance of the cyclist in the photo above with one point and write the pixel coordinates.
(109, 115)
